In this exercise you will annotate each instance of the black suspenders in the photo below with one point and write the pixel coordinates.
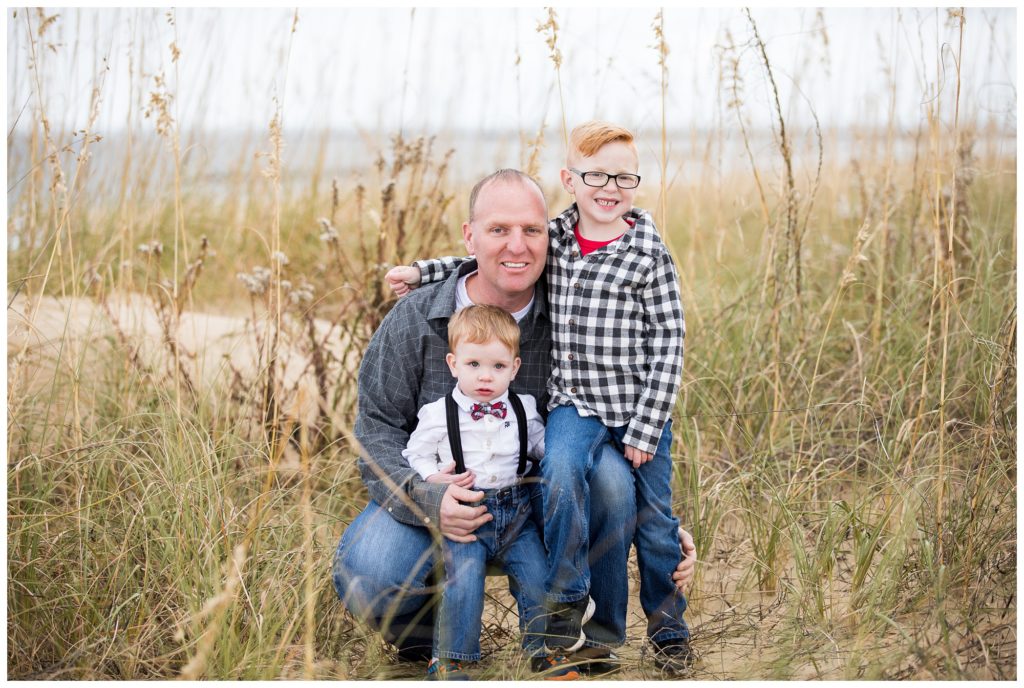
(455, 437)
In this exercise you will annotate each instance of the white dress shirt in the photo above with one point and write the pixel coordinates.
(490, 446)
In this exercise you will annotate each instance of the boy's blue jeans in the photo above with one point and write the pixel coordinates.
(510, 541)
(571, 444)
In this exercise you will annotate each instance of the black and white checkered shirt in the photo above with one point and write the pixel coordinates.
(618, 326)
(404, 369)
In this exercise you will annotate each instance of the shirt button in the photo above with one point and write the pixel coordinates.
(389, 510)
(570, 357)
(576, 286)
(426, 519)
(572, 390)
(575, 253)
(572, 321)
(494, 479)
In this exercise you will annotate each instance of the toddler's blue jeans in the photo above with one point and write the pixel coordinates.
(509, 541)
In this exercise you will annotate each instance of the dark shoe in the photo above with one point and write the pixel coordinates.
(555, 668)
(446, 670)
(674, 657)
(565, 626)
(596, 661)
(415, 653)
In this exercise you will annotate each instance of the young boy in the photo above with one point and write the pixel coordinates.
(475, 437)
(617, 352)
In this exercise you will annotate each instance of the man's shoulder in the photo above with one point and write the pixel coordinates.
(415, 308)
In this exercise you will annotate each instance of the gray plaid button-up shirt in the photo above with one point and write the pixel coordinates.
(404, 369)
(618, 326)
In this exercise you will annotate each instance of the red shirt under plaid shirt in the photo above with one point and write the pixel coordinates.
(617, 326)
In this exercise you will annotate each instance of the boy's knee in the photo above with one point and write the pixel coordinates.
(612, 487)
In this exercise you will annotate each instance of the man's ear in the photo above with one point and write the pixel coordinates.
(450, 360)
(566, 176)
(467, 238)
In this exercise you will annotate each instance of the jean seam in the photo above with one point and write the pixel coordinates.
(465, 657)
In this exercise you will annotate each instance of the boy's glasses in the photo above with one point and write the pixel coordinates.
(623, 181)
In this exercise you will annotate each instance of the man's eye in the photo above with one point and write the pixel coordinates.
(534, 231)
(498, 230)
(499, 366)
(474, 364)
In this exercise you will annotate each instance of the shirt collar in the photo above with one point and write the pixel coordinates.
(642, 236)
(465, 403)
(444, 303)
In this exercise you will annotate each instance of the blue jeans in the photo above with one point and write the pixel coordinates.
(384, 574)
(510, 541)
(382, 567)
(572, 442)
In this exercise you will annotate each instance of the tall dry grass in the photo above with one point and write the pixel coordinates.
(846, 439)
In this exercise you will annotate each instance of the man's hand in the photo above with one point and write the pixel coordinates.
(683, 575)
(637, 457)
(448, 475)
(458, 521)
(402, 279)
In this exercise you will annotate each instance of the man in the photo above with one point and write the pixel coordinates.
(384, 561)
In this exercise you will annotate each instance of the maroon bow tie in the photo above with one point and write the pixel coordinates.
(497, 409)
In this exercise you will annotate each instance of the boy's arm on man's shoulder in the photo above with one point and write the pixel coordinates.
(438, 269)
(664, 331)
(385, 419)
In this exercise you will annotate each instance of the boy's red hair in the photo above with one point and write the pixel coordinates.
(587, 138)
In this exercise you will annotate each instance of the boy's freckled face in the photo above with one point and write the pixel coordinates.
(484, 371)
(603, 206)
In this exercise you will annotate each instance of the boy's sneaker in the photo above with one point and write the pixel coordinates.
(674, 657)
(596, 661)
(554, 668)
(446, 670)
(565, 626)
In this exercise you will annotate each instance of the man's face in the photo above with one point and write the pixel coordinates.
(484, 371)
(509, 236)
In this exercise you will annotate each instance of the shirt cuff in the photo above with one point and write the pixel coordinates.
(642, 436)
(428, 498)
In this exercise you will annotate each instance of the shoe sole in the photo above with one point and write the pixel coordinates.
(571, 676)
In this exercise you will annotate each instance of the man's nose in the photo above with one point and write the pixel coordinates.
(484, 374)
(516, 240)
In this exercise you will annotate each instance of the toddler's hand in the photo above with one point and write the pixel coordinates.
(448, 475)
(402, 279)
(637, 457)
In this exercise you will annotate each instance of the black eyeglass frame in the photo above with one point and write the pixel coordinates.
(583, 177)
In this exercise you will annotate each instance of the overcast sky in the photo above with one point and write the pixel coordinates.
(436, 69)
